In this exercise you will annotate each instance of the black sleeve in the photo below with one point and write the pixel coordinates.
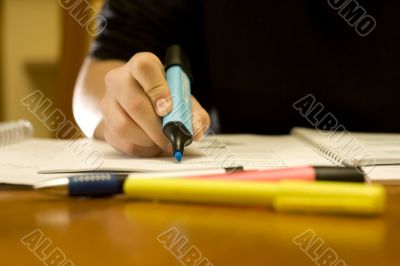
(146, 25)
(134, 26)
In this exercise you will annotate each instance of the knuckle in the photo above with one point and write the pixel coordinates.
(147, 56)
(111, 78)
(117, 81)
(142, 62)
(136, 104)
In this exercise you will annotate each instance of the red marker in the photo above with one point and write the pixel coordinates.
(307, 173)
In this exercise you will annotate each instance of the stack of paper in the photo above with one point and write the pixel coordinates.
(33, 160)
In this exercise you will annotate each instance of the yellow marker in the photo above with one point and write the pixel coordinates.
(322, 197)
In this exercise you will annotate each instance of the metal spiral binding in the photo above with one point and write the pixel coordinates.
(14, 132)
(332, 156)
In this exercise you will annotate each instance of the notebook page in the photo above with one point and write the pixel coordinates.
(354, 149)
(384, 174)
(20, 162)
(216, 152)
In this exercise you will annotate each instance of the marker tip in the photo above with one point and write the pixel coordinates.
(178, 156)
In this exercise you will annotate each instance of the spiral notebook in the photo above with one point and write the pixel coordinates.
(21, 155)
(14, 132)
(25, 160)
(353, 149)
(302, 147)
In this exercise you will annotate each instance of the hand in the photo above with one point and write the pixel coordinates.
(136, 98)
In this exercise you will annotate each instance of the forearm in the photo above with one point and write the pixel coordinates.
(89, 91)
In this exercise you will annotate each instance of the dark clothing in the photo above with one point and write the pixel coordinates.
(253, 59)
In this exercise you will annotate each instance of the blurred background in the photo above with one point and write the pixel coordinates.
(42, 46)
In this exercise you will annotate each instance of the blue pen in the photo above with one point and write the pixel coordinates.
(177, 125)
(87, 185)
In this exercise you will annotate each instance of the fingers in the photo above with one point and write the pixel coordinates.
(134, 101)
(136, 97)
(201, 120)
(129, 148)
(121, 125)
(148, 71)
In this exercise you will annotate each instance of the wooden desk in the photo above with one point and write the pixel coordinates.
(122, 232)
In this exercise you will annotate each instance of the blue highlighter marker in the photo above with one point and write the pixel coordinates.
(177, 125)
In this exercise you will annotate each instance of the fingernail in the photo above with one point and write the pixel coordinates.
(163, 107)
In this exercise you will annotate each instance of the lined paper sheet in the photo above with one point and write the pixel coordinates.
(385, 148)
(383, 174)
(222, 151)
(20, 162)
(354, 149)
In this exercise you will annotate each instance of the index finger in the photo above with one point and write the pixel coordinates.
(148, 71)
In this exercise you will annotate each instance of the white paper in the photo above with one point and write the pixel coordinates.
(216, 152)
(356, 149)
(387, 174)
(20, 162)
